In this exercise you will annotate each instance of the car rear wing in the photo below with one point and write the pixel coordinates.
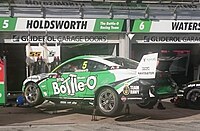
(147, 66)
(166, 62)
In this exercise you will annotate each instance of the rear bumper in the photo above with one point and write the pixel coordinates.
(137, 98)
(148, 92)
(131, 100)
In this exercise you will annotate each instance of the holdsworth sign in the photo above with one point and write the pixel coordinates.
(61, 25)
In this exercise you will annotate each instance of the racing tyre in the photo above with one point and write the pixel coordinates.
(148, 104)
(33, 95)
(108, 102)
(193, 98)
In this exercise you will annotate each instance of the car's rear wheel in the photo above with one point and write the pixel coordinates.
(33, 94)
(149, 103)
(108, 102)
(193, 98)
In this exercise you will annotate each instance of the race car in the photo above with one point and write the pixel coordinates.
(108, 82)
(189, 95)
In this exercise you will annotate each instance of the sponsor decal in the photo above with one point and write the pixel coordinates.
(109, 25)
(193, 85)
(145, 73)
(147, 66)
(126, 90)
(15, 38)
(170, 39)
(70, 85)
(148, 60)
(134, 89)
(59, 39)
(34, 54)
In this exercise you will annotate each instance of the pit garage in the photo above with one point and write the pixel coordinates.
(184, 68)
(103, 27)
(23, 52)
(177, 40)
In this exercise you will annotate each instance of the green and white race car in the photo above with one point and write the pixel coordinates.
(107, 81)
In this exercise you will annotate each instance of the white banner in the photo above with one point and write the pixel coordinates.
(52, 24)
(167, 38)
(166, 26)
(174, 26)
(57, 38)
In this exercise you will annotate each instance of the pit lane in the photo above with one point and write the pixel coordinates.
(50, 116)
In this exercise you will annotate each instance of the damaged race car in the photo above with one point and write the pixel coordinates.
(189, 95)
(108, 82)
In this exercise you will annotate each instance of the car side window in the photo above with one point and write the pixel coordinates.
(94, 66)
(125, 63)
(74, 66)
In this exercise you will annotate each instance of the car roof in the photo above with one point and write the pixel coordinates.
(98, 58)
(94, 56)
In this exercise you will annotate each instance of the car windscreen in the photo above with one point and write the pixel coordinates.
(124, 62)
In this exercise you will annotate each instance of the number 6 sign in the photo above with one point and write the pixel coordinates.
(141, 25)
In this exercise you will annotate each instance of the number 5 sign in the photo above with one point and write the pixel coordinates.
(7, 24)
(141, 25)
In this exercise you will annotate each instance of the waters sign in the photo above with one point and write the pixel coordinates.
(162, 26)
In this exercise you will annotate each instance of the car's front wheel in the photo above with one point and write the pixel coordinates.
(193, 98)
(108, 102)
(33, 94)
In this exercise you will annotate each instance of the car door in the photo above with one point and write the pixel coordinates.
(101, 76)
(69, 80)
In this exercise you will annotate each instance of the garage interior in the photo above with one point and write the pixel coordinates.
(16, 59)
(119, 9)
(185, 65)
(183, 70)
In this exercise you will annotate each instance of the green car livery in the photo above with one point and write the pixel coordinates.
(107, 81)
